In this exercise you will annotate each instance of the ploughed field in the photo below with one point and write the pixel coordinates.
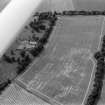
(62, 73)
(15, 95)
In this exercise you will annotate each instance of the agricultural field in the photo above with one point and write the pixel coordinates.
(89, 4)
(63, 71)
(55, 5)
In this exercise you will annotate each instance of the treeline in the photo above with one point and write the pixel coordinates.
(73, 13)
(41, 42)
(95, 94)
